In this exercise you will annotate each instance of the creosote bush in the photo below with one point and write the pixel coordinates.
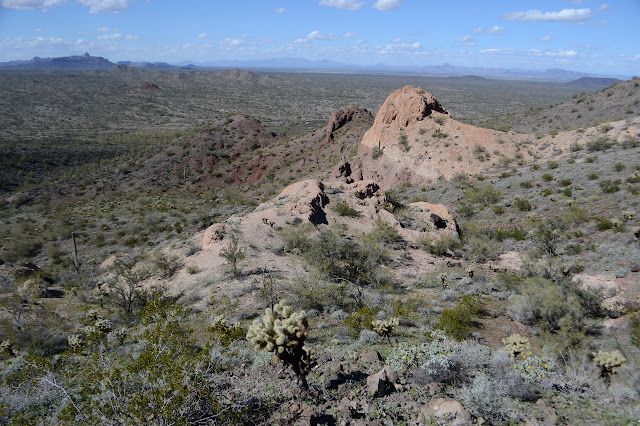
(283, 332)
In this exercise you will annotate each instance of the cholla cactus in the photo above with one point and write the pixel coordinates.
(103, 326)
(385, 327)
(75, 341)
(516, 344)
(7, 346)
(470, 271)
(608, 363)
(121, 334)
(283, 332)
(443, 279)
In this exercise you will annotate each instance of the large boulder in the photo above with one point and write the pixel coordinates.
(311, 200)
(406, 106)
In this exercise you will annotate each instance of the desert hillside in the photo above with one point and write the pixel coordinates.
(388, 265)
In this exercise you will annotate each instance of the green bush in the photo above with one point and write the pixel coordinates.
(610, 186)
(442, 246)
(526, 184)
(483, 194)
(342, 208)
(522, 205)
(547, 177)
(600, 144)
(553, 165)
(460, 321)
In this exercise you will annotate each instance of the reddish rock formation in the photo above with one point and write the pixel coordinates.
(342, 117)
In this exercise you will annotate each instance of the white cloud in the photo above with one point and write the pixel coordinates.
(468, 40)
(113, 36)
(493, 30)
(548, 37)
(231, 42)
(132, 37)
(279, 10)
(494, 51)
(102, 30)
(565, 15)
(386, 5)
(30, 4)
(349, 35)
(577, 1)
(317, 35)
(601, 8)
(343, 4)
(37, 30)
(203, 35)
(416, 45)
(103, 6)
(562, 53)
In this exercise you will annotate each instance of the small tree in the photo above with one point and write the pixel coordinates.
(233, 253)
(126, 286)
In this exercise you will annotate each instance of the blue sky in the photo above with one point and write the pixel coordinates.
(581, 35)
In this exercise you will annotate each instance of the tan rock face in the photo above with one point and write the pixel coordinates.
(406, 106)
(342, 117)
(311, 200)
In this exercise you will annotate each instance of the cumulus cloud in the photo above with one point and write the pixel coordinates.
(343, 4)
(132, 37)
(565, 15)
(349, 35)
(386, 5)
(279, 10)
(317, 35)
(106, 6)
(30, 4)
(113, 36)
(601, 8)
(548, 37)
(468, 40)
(203, 35)
(562, 53)
(493, 30)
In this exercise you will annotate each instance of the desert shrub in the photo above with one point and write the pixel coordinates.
(342, 208)
(618, 167)
(576, 214)
(483, 398)
(21, 250)
(435, 358)
(522, 205)
(564, 182)
(226, 333)
(600, 144)
(484, 194)
(361, 319)
(516, 233)
(604, 224)
(593, 176)
(610, 186)
(481, 153)
(295, 239)
(166, 265)
(548, 236)
(553, 306)
(439, 134)
(233, 253)
(553, 165)
(393, 201)
(480, 249)
(384, 233)
(403, 142)
(459, 322)
(126, 286)
(340, 258)
(576, 147)
(547, 177)
(526, 184)
(443, 246)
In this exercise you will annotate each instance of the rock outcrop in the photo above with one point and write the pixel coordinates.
(406, 106)
(342, 117)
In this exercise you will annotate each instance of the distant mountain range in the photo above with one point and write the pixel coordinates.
(86, 61)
